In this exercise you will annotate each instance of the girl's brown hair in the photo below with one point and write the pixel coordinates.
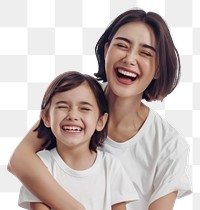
(64, 82)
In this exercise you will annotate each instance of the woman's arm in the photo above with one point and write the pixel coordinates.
(119, 206)
(27, 148)
(165, 203)
(27, 166)
(39, 206)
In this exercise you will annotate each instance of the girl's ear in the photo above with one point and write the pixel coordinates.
(45, 118)
(102, 122)
(106, 46)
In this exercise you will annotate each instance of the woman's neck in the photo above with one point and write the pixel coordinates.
(126, 117)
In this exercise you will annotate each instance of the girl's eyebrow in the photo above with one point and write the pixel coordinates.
(81, 102)
(129, 42)
(86, 103)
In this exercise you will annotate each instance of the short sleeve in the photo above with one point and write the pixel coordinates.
(122, 189)
(171, 174)
(26, 197)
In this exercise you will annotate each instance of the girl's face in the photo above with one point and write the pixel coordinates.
(74, 116)
(130, 60)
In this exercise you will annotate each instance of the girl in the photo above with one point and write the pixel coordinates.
(73, 123)
(137, 61)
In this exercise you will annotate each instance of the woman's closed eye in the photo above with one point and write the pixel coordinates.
(146, 53)
(121, 45)
(62, 107)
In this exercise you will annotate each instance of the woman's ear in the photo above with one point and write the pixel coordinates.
(106, 46)
(45, 118)
(102, 122)
(157, 73)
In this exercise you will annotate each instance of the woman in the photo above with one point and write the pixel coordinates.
(138, 60)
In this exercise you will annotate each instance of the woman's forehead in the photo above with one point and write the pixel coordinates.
(136, 30)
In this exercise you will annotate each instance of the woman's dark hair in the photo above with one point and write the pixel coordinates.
(64, 82)
(167, 56)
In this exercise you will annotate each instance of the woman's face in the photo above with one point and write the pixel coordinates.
(130, 60)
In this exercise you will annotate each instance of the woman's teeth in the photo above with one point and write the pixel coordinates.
(127, 74)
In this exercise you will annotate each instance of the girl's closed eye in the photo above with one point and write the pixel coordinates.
(62, 106)
(86, 109)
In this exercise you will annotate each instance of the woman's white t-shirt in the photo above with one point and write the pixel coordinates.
(155, 160)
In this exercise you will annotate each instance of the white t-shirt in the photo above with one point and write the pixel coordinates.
(105, 183)
(155, 159)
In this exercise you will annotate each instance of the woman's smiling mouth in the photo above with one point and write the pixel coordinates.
(126, 77)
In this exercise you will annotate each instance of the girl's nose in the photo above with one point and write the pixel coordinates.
(72, 115)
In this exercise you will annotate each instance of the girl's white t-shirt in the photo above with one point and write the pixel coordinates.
(99, 187)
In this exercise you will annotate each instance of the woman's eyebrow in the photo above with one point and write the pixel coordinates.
(123, 39)
(61, 102)
(143, 45)
(149, 47)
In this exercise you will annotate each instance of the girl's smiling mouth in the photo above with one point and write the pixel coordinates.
(72, 128)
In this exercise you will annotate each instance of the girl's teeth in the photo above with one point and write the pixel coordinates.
(72, 128)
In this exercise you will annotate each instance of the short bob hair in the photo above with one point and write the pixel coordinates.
(65, 82)
(167, 56)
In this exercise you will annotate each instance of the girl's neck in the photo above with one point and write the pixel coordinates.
(76, 158)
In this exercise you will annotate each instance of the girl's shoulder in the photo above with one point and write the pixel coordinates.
(107, 158)
(47, 156)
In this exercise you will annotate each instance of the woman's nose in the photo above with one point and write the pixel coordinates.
(130, 58)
